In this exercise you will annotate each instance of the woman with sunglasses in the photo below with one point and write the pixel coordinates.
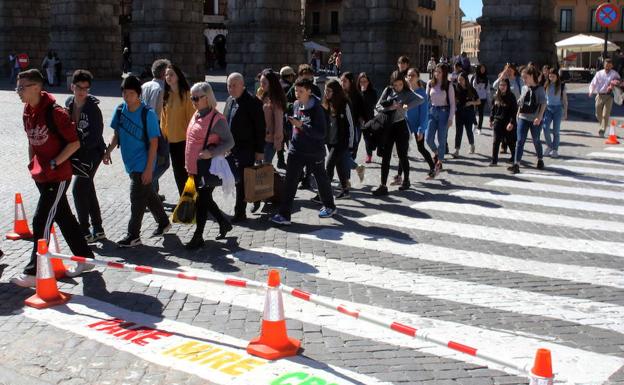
(174, 119)
(207, 121)
(273, 100)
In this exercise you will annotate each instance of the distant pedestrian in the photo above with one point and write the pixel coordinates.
(531, 108)
(48, 66)
(50, 149)
(85, 112)
(466, 99)
(441, 95)
(358, 113)
(403, 63)
(126, 58)
(503, 120)
(465, 63)
(431, 66)
(15, 67)
(418, 117)
(556, 111)
(457, 69)
(273, 99)
(370, 96)
(136, 132)
(602, 85)
(511, 73)
(58, 69)
(481, 84)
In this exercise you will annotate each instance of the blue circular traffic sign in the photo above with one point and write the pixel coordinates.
(608, 15)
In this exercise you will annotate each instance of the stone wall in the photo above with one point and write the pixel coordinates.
(87, 35)
(517, 31)
(375, 33)
(171, 29)
(23, 28)
(263, 34)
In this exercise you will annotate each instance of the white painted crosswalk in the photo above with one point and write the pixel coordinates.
(614, 155)
(596, 163)
(620, 149)
(498, 235)
(585, 170)
(556, 189)
(571, 363)
(574, 179)
(540, 201)
(427, 252)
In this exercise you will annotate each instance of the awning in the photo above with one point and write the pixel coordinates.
(314, 46)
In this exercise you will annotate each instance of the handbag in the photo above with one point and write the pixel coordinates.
(186, 207)
(204, 177)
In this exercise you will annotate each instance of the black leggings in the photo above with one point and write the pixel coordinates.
(336, 159)
(481, 108)
(423, 151)
(397, 134)
(86, 201)
(206, 204)
(502, 136)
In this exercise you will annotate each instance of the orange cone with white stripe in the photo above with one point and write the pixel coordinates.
(542, 373)
(57, 264)
(273, 342)
(47, 293)
(612, 137)
(20, 223)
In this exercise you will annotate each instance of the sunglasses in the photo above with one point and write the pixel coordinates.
(196, 98)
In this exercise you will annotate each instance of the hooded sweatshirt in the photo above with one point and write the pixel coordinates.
(90, 127)
(309, 139)
(48, 143)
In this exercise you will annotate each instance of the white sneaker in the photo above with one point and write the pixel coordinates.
(472, 148)
(548, 151)
(25, 280)
(360, 172)
(554, 154)
(79, 269)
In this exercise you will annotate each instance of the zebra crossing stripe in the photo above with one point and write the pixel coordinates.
(595, 163)
(569, 362)
(520, 215)
(494, 234)
(539, 201)
(423, 251)
(585, 170)
(613, 155)
(556, 189)
(574, 179)
(621, 149)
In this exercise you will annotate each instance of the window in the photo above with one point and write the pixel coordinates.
(211, 7)
(334, 22)
(316, 23)
(593, 24)
(565, 20)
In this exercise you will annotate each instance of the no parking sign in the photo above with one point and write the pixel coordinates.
(608, 15)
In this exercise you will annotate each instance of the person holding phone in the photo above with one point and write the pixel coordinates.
(307, 149)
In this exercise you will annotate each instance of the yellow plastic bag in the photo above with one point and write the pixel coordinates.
(185, 210)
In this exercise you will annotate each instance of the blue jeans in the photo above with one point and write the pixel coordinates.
(553, 114)
(269, 152)
(438, 124)
(523, 131)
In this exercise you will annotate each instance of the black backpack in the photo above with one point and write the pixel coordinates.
(163, 152)
(529, 102)
(81, 166)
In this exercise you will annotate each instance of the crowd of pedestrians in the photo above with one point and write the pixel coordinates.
(315, 134)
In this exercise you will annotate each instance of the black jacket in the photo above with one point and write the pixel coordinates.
(370, 97)
(505, 113)
(90, 126)
(247, 124)
(341, 134)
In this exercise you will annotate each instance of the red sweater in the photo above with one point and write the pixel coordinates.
(46, 143)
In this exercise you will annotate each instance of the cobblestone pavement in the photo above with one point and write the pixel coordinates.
(503, 263)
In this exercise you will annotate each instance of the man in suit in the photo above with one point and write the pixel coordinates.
(245, 117)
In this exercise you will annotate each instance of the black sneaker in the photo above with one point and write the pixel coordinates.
(316, 199)
(255, 207)
(344, 194)
(493, 164)
(224, 228)
(237, 218)
(601, 133)
(540, 164)
(162, 197)
(514, 169)
(431, 175)
(161, 229)
(130, 241)
(405, 185)
(195, 243)
(380, 191)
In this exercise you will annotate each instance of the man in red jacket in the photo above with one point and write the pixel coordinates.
(49, 151)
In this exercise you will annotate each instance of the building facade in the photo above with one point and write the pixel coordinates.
(447, 20)
(578, 16)
(471, 32)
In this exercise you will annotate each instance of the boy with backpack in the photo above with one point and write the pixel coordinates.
(50, 147)
(136, 132)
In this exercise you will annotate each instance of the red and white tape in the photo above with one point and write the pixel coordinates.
(309, 297)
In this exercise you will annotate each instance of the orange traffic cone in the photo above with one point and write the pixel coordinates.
(57, 263)
(612, 138)
(542, 373)
(47, 293)
(20, 224)
(273, 342)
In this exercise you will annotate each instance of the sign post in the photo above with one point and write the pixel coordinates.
(608, 16)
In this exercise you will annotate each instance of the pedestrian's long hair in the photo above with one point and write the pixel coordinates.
(499, 97)
(445, 82)
(275, 93)
(183, 85)
(365, 76)
(557, 82)
(338, 102)
(353, 86)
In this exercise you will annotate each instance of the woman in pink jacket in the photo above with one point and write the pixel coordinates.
(207, 121)
(273, 100)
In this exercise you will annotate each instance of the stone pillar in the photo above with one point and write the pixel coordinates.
(23, 29)
(517, 31)
(264, 34)
(375, 33)
(170, 29)
(87, 35)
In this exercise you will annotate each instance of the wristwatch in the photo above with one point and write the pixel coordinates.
(53, 164)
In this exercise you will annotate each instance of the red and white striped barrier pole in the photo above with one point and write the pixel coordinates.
(318, 300)
(215, 278)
